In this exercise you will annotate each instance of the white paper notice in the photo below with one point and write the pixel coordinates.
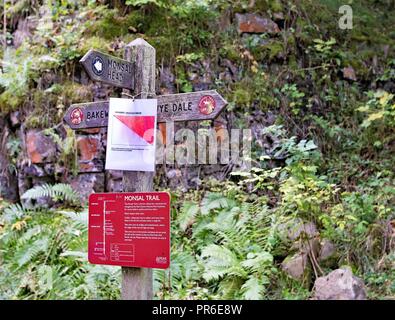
(131, 135)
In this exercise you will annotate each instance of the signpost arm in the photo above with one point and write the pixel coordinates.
(137, 282)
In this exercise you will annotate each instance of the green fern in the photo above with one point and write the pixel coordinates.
(229, 288)
(80, 218)
(14, 212)
(30, 250)
(187, 214)
(258, 262)
(253, 289)
(218, 261)
(57, 192)
(14, 78)
(214, 201)
(183, 270)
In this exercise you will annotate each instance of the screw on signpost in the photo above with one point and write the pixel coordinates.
(137, 282)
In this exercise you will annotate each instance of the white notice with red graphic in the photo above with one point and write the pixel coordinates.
(131, 134)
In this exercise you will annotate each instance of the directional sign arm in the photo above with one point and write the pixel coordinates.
(87, 115)
(108, 69)
(195, 106)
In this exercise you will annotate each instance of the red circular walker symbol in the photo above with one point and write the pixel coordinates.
(76, 116)
(206, 105)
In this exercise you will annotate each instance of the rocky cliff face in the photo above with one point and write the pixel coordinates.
(249, 53)
(41, 153)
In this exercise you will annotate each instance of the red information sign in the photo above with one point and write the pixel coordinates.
(129, 229)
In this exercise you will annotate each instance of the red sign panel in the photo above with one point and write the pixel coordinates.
(129, 229)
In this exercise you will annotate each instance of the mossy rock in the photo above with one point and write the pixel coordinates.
(275, 49)
(94, 42)
(263, 6)
(9, 102)
(230, 52)
(110, 26)
(242, 97)
(73, 93)
(298, 267)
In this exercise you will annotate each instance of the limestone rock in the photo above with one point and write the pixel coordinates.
(253, 23)
(173, 173)
(327, 254)
(278, 16)
(24, 30)
(88, 183)
(307, 246)
(15, 118)
(34, 171)
(89, 151)
(296, 228)
(166, 81)
(88, 147)
(349, 74)
(8, 178)
(297, 266)
(8, 187)
(340, 284)
(40, 148)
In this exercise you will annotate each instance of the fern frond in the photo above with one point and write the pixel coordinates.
(253, 289)
(258, 261)
(30, 250)
(81, 218)
(38, 192)
(66, 192)
(13, 212)
(78, 255)
(187, 214)
(59, 191)
(218, 261)
(229, 287)
(214, 201)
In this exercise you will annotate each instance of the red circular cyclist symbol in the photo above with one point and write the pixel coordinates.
(76, 116)
(206, 105)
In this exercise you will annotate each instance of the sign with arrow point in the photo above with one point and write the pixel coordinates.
(108, 69)
(194, 106)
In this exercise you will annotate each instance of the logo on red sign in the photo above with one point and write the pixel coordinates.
(206, 105)
(76, 116)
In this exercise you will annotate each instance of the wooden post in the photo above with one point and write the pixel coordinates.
(137, 282)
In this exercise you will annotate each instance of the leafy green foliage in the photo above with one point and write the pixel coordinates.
(158, 3)
(43, 256)
(57, 192)
(14, 79)
(379, 108)
(323, 143)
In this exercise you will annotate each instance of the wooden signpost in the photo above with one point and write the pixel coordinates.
(195, 106)
(136, 74)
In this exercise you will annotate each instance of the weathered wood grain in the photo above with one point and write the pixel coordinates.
(137, 282)
(108, 69)
(190, 106)
(92, 115)
(172, 107)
